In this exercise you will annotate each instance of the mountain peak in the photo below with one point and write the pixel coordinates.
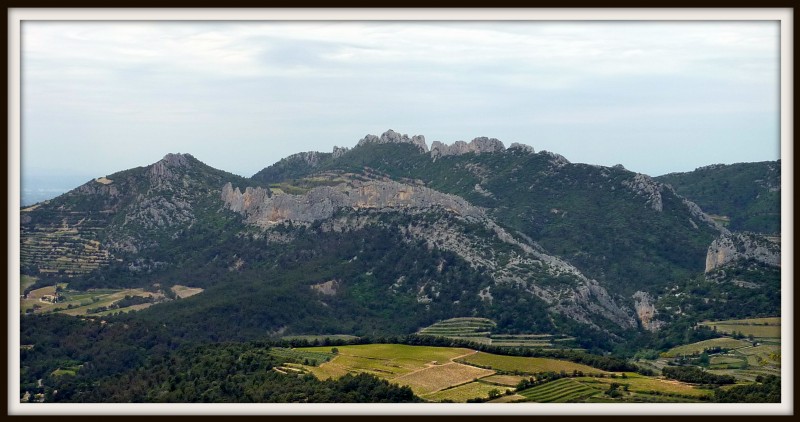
(392, 137)
(177, 159)
(478, 145)
(163, 169)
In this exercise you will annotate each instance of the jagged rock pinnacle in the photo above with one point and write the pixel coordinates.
(392, 137)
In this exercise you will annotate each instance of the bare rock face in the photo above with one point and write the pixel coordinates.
(645, 186)
(477, 145)
(734, 246)
(392, 137)
(163, 169)
(646, 311)
(521, 147)
(339, 151)
(322, 202)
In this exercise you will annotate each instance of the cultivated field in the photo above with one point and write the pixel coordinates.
(699, 347)
(464, 392)
(479, 330)
(382, 360)
(526, 365)
(507, 380)
(564, 390)
(438, 377)
(642, 384)
(76, 303)
(757, 327)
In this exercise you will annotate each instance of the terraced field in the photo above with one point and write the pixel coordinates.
(69, 248)
(757, 327)
(564, 390)
(471, 329)
(479, 330)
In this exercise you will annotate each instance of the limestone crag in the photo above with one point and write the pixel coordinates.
(322, 202)
(646, 311)
(645, 186)
(477, 145)
(741, 246)
(339, 151)
(588, 299)
(164, 168)
(392, 137)
(522, 147)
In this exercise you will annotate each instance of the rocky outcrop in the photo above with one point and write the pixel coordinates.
(164, 168)
(644, 185)
(322, 202)
(478, 146)
(521, 147)
(339, 151)
(392, 137)
(646, 311)
(742, 246)
(310, 158)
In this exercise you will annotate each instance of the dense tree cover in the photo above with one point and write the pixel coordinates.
(580, 212)
(233, 373)
(765, 390)
(748, 193)
(720, 294)
(696, 375)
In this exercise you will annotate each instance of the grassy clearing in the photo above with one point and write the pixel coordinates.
(26, 281)
(439, 377)
(526, 365)
(699, 347)
(748, 321)
(464, 392)
(564, 390)
(185, 291)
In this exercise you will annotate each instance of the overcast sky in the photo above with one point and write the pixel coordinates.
(656, 97)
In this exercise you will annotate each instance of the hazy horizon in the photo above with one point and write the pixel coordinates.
(655, 96)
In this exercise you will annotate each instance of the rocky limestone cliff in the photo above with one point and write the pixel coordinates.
(735, 246)
(646, 311)
(521, 147)
(322, 202)
(644, 185)
(392, 137)
(477, 145)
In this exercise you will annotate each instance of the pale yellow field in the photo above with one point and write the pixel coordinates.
(438, 377)
(527, 364)
(464, 392)
(185, 291)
